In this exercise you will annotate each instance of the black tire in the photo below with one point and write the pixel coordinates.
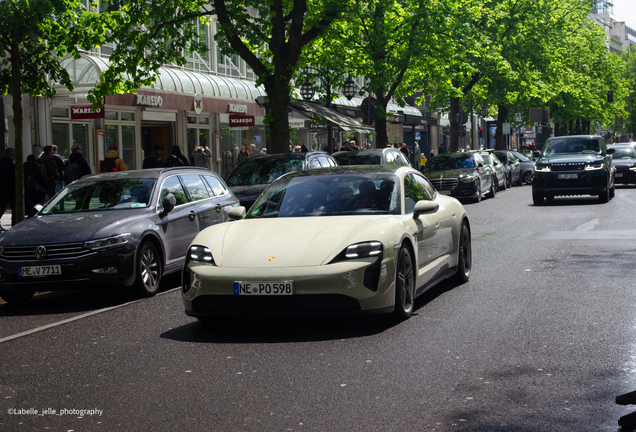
(520, 182)
(537, 198)
(613, 191)
(478, 187)
(527, 177)
(465, 258)
(604, 196)
(492, 192)
(148, 270)
(404, 283)
(17, 297)
(504, 183)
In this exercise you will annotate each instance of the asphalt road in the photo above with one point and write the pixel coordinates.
(540, 339)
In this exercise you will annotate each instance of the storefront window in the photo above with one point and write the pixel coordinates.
(61, 139)
(125, 143)
(233, 139)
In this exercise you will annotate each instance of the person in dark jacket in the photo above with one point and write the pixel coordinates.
(59, 183)
(153, 160)
(52, 173)
(243, 155)
(7, 183)
(177, 158)
(34, 185)
(76, 157)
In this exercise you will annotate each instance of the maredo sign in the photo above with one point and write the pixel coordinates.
(237, 120)
(83, 112)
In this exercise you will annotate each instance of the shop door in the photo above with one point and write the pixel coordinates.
(156, 137)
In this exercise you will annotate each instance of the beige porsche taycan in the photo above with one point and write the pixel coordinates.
(340, 240)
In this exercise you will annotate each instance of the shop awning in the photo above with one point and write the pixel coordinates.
(325, 115)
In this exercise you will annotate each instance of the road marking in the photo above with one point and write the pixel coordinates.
(79, 317)
(587, 226)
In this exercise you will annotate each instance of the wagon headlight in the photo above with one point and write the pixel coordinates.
(594, 166)
(201, 253)
(363, 250)
(108, 242)
(542, 167)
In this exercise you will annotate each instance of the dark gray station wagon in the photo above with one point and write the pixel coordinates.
(128, 227)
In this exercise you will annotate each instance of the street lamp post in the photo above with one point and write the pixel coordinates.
(349, 89)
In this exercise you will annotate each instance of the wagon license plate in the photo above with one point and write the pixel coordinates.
(35, 271)
(264, 288)
(567, 176)
(619, 174)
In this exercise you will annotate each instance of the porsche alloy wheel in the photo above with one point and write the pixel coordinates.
(465, 258)
(148, 270)
(404, 284)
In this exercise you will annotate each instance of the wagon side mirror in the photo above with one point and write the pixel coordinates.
(168, 203)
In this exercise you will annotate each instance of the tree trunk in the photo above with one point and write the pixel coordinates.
(502, 117)
(453, 118)
(278, 123)
(16, 93)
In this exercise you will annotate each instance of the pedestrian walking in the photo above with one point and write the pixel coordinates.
(76, 166)
(59, 160)
(154, 159)
(112, 162)
(242, 156)
(405, 150)
(49, 169)
(7, 183)
(34, 185)
(201, 157)
(177, 158)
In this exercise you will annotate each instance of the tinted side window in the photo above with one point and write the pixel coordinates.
(195, 186)
(216, 185)
(415, 189)
(173, 185)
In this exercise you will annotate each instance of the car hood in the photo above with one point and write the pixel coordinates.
(69, 228)
(624, 163)
(432, 175)
(571, 158)
(290, 242)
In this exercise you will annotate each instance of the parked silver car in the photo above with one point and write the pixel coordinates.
(527, 167)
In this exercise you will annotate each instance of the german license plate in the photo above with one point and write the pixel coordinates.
(35, 271)
(264, 288)
(619, 174)
(567, 176)
(445, 192)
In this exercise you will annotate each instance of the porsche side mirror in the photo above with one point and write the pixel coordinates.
(237, 213)
(424, 207)
(168, 203)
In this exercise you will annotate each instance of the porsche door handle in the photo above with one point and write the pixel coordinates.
(192, 216)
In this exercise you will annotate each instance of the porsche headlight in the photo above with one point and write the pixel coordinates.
(594, 166)
(108, 242)
(539, 167)
(363, 250)
(201, 253)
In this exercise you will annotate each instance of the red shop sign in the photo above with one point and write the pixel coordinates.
(82, 112)
(237, 120)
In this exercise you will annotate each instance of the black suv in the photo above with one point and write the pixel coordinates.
(256, 173)
(573, 165)
(127, 227)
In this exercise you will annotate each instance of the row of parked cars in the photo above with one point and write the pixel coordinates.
(475, 174)
(307, 233)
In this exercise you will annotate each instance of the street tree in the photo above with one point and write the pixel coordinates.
(34, 35)
(390, 44)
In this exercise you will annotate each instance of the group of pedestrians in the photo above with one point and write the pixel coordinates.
(200, 157)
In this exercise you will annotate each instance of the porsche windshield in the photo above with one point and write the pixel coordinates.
(263, 170)
(443, 163)
(328, 195)
(111, 194)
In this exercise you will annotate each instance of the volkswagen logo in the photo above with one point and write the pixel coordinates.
(40, 252)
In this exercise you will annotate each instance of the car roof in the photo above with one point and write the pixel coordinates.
(288, 155)
(148, 173)
(349, 169)
(364, 152)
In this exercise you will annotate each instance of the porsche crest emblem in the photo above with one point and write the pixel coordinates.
(271, 258)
